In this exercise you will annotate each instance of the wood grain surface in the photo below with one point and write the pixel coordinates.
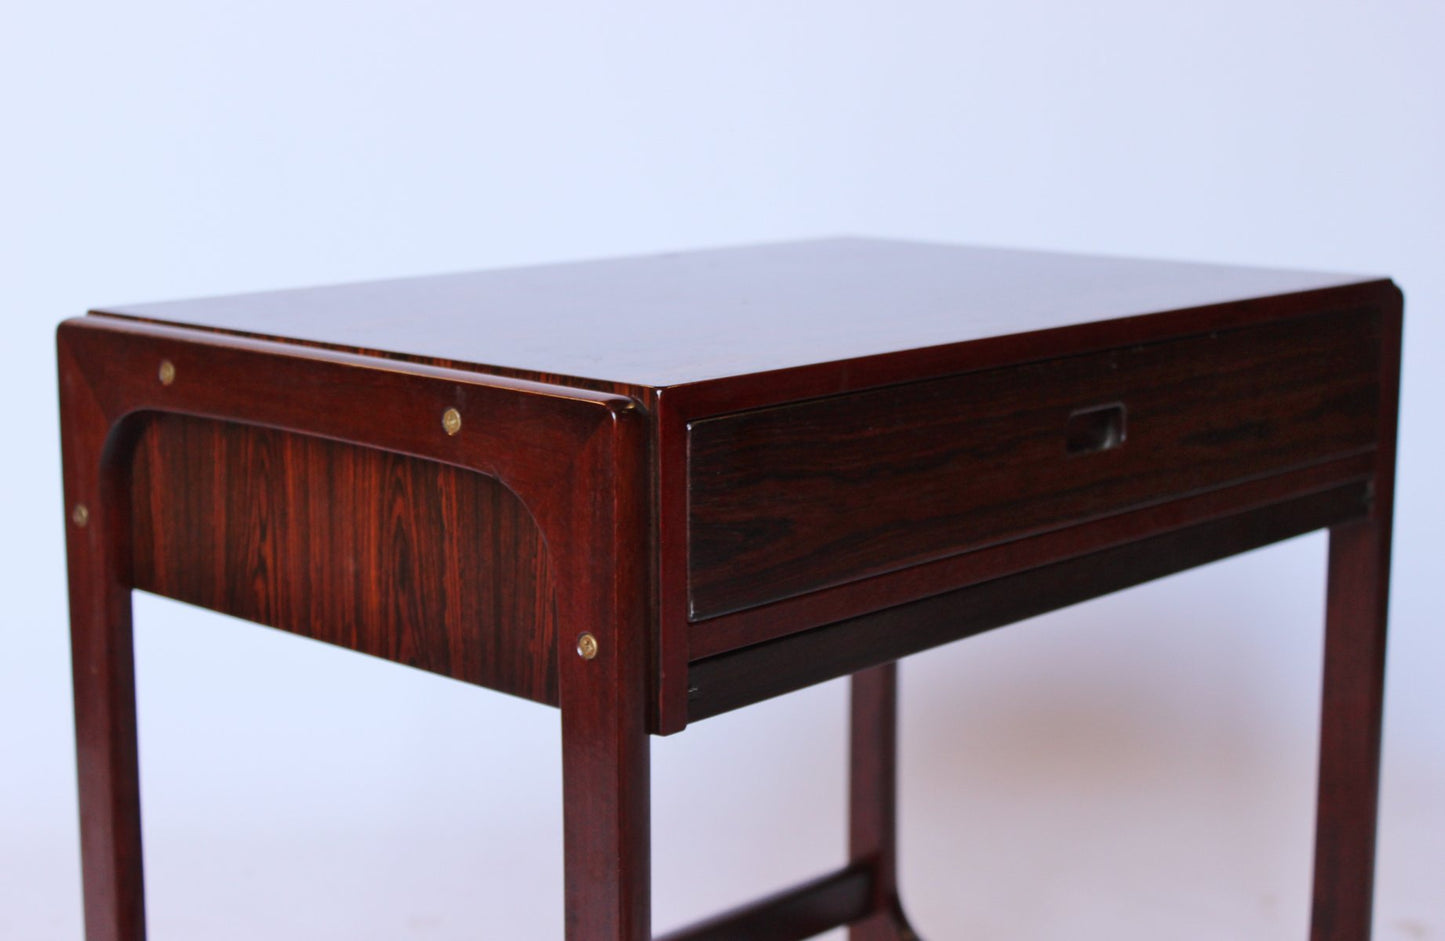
(840, 452)
(738, 678)
(414, 561)
(576, 459)
(1352, 702)
(687, 317)
(795, 498)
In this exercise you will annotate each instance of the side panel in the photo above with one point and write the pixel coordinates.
(415, 561)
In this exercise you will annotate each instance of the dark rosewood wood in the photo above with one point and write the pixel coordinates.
(769, 622)
(1354, 689)
(677, 406)
(1349, 782)
(699, 317)
(419, 562)
(873, 801)
(731, 680)
(810, 909)
(575, 459)
(864, 895)
(102, 661)
(795, 498)
(605, 749)
(706, 333)
(891, 446)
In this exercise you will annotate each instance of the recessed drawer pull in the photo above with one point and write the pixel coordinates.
(1097, 428)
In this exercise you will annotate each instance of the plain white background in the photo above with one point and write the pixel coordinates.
(1138, 767)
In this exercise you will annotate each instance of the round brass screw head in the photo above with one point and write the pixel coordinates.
(80, 515)
(587, 647)
(452, 421)
(167, 372)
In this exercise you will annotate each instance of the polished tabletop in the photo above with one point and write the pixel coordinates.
(667, 320)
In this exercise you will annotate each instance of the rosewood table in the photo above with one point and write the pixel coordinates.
(649, 491)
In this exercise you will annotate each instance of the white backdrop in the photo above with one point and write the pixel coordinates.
(1138, 767)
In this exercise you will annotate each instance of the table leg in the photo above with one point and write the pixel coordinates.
(102, 661)
(103, 668)
(606, 795)
(873, 800)
(1359, 570)
(1357, 601)
(109, 785)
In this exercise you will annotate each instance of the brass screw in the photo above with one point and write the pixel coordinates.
(452, 421)
(167, 373)
(587, 647)
(80, 514)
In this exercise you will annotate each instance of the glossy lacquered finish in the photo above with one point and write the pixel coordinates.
(794, 498)
(652, 490)
(662, 321)
(416, 561)
(576, 462)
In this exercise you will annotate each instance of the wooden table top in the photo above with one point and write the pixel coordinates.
(668, 320)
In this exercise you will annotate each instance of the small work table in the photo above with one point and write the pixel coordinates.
(652, 490)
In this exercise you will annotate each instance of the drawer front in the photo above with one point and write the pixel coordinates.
(800, 497)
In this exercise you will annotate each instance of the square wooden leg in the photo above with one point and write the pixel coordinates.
(1349, 779)
(873, 801)
(103, 666)
(606, 812)
(109, 784)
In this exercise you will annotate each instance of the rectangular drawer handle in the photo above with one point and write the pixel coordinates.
(1096, 428)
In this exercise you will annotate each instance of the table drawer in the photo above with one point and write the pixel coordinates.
(800, 497)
